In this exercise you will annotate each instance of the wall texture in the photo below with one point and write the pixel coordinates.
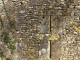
(35, 22)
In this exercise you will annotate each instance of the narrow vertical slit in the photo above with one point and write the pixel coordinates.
(50, 49)
(50, 23)
(50, 40)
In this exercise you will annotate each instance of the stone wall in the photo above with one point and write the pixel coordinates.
(37, 22)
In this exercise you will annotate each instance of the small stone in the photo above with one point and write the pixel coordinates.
(22, 11)
(42, 28)
(18, 35)
(71, 22)
(0, 42)
(17, 31)
(14, 0)
(75, 33)
(75, 28)
(23, 1)
(50, 6)
(2, 16)
(47, 34)
(31, 57)
(6, 46)
(77, 7)
(62, 0)
(0, 58)
(43, 51)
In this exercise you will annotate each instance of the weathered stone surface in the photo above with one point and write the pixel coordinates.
(32, 25)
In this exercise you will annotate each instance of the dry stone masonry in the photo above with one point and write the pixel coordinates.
(38, 22)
